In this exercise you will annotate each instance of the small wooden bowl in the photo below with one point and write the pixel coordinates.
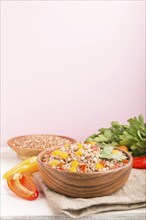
(23, 153)
(84, 185)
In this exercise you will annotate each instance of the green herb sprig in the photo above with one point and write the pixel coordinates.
(106, 153)
(133, 135)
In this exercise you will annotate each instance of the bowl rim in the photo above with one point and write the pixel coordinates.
(11, 140)
(82, 173)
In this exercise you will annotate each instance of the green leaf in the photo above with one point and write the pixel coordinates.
(133, 147)
(93, 135)
(100, 138)
(107, 150)
(108, 134)
(114, 144)
(101, 130)
(89, 139)
(141, 119)
(119, 156)
(115, 124)
(139, 134)
(107, 154)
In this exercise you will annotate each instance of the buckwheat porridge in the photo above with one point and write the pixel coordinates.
(40, 141)
(82, 157)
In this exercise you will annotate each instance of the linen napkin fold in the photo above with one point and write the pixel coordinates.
(131, 196)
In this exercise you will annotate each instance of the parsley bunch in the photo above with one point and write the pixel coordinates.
(133, 135)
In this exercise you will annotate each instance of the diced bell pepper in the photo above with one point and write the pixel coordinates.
(54, 163)
(115, 151)
(63, 155)
(99, 166)
(80, 145)
(74, 163)
(83, 167)
(56, 152)
(79, 152)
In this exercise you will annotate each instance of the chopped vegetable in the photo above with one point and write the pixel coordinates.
(29, 165)
(74, 163)
(56, 152)
(115, 151)
(98, 166)
(63, 155)
(60, 165)
(83, 167)
(125, 161)
(23, 186)
(80, 145)
(123, 148)
(139, 162)
(133, 136)
(79, 152)
(54, 163)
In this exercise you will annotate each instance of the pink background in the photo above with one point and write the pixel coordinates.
(70, 68)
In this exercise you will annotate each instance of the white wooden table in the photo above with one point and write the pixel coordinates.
(13, 207)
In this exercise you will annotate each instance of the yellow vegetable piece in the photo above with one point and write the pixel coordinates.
(80, 145)
(79, 152)
(99, 166)
(54, 163)
(74, 163)
(93, 143)
(63, 155)
(123, 148)
(66, 145)
(56, 152)
(72, 169)
(29, 165)
(115, 151)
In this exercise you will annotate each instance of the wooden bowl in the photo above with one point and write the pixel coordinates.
(23, 152)
(84, 185)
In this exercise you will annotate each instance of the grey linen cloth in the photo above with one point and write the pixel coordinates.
(131, 196)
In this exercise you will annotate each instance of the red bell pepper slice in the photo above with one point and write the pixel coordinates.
(22, 185)
(139, 162)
